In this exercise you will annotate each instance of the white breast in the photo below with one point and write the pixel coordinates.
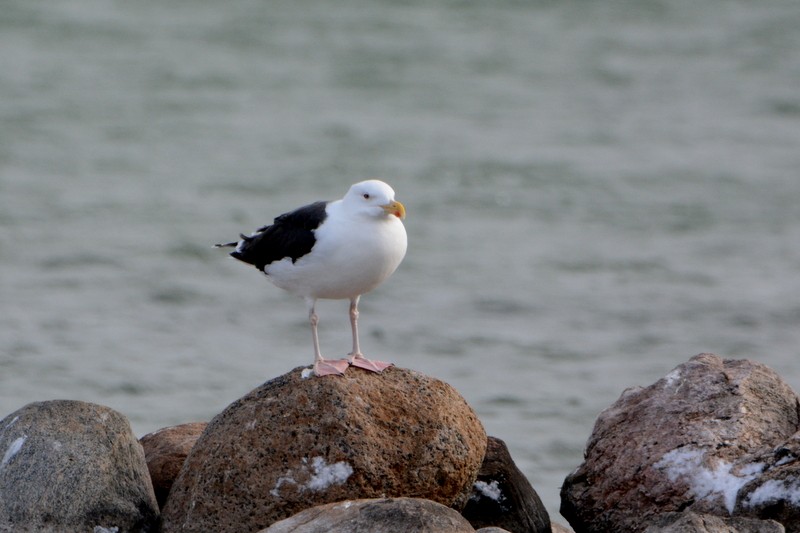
(353, 254)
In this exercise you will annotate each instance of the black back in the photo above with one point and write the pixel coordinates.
(290, 235)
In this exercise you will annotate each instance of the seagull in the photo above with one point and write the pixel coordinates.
(332, 250)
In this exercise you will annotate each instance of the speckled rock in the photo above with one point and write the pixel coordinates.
(503, 497)
(691, 441)
(165, 451)
(73, 466)
(294, 443)
(390, 515)
(775, 493)
(690, 522)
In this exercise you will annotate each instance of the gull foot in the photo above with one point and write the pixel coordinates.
(369, 364)
(331, 368)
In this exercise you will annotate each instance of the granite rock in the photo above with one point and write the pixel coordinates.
(503, 497)
(165, 451)
(689, 522)
(294, 443)
(73, 466)
(690, 441)
(391, 515)
(775, 493)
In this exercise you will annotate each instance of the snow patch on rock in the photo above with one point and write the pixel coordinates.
(686, 464)
(489, 490)
(775, 490)
(13, 449)
(319, 474)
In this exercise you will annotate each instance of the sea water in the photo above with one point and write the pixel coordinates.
(596, 191)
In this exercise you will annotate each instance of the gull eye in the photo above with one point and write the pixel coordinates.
(366, 196)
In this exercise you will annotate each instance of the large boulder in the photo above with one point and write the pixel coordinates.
(294, 443)
(165, 451)
(392, 515)
(690, 441)
(503, 497)
(73, 466)
(689, 522)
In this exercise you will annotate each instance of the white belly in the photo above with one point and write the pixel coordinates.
(347, 260)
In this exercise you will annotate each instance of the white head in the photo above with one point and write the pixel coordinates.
(375, 198)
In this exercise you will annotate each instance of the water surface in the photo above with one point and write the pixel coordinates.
(596, 192)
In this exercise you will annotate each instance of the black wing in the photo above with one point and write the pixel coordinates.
(290, 235)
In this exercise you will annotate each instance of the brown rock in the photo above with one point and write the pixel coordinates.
(690, 441)
(560, 528)
(72, 466)
(165, 451)
(689, 522)
(409, 515)
(294, 443)
(503, 497)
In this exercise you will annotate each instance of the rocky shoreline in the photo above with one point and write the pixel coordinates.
(711, 447)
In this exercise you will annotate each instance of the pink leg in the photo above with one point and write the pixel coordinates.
(356, 357)
(321, 366)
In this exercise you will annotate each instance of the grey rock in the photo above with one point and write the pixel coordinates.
(73, 466)
(503, 497)
(689, 522)
(392, 515)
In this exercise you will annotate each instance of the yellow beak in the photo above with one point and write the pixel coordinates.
(395, 208)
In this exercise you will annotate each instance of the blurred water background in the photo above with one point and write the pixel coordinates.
(596, 191)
